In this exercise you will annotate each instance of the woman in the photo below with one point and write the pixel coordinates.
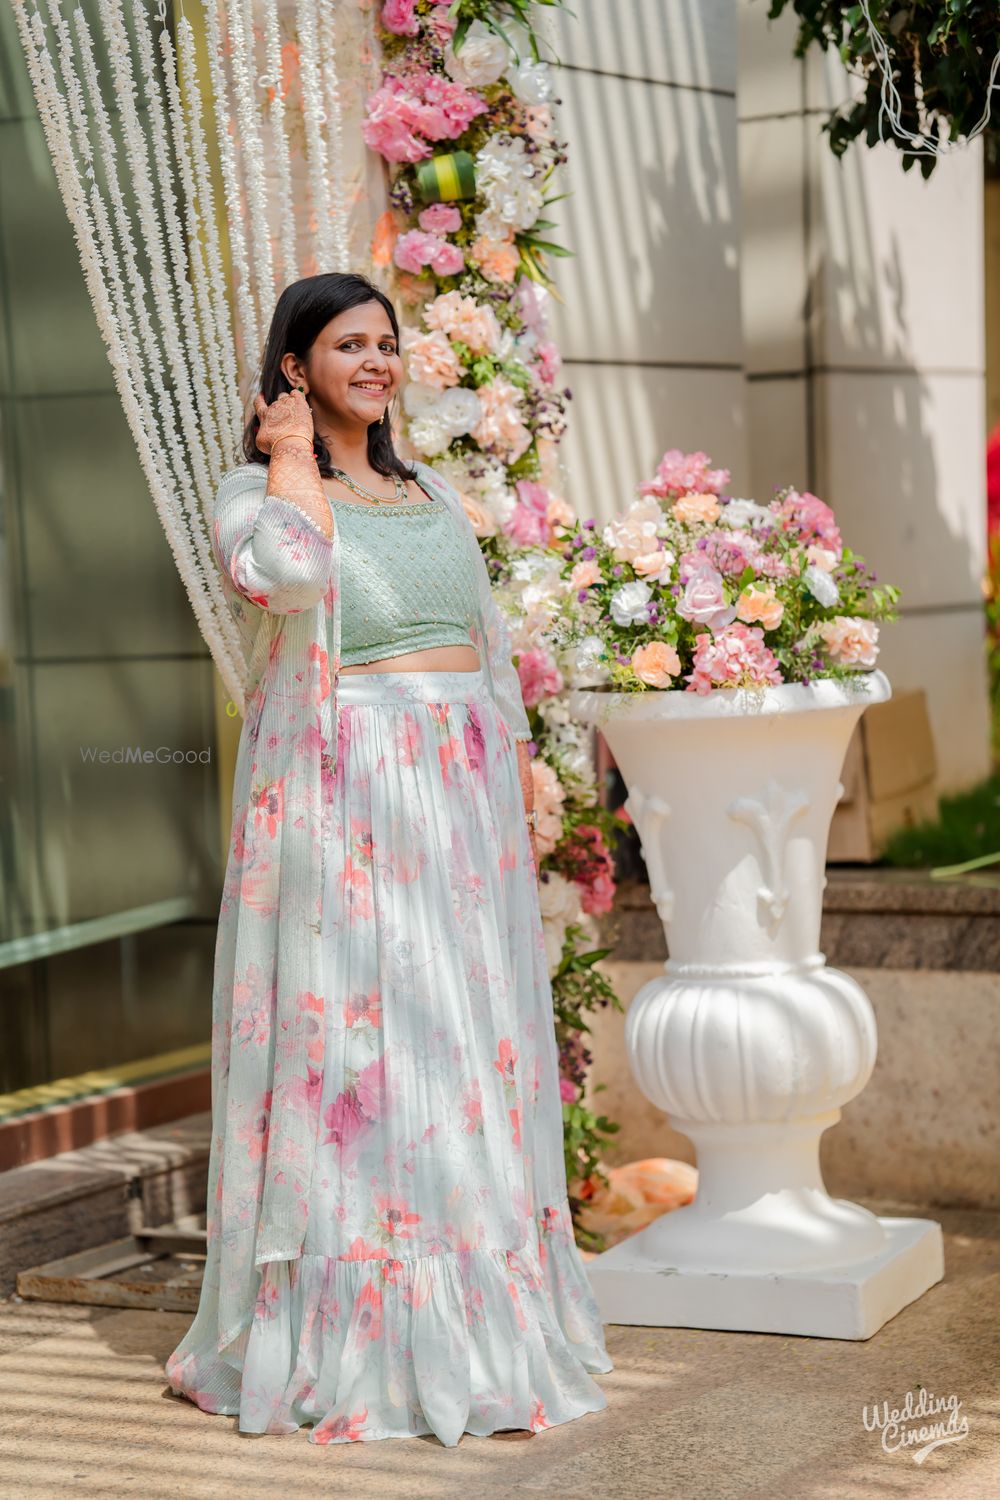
(390, 1250)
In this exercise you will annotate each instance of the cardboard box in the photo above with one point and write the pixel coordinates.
(889, 779)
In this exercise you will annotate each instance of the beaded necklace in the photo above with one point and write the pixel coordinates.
(366, 494)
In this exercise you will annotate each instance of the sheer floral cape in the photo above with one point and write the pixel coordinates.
(281, 575)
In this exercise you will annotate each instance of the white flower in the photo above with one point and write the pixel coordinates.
(628, 603)
(482, 58)
(559, 900)
(531, 82)
(506, 179)
(745, 513)
(418, 397)
(428, 433)
(507, 347)
(587, 669)
(821, 586)
(459, 409)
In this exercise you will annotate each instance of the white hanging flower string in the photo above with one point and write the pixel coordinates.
(181, 311)
(892, 105)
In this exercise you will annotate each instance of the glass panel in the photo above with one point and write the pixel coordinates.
(100, 657)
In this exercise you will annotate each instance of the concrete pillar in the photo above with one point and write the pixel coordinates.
(863, 307)
(650, 328)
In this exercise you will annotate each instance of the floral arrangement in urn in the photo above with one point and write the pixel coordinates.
(695, 589)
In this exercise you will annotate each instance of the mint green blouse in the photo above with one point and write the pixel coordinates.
(405, 578)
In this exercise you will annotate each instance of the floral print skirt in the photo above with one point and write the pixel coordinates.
(440, 1289)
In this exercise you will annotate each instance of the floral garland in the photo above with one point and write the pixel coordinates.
(463, 116)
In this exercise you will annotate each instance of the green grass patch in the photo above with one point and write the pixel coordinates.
(967, 828)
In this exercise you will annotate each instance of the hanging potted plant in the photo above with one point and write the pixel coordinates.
(727, 649)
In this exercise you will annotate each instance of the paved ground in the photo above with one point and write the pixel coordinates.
(85, 1411)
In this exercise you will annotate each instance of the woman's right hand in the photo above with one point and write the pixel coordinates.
(289, 416)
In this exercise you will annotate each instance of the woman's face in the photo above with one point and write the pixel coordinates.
(354, 367)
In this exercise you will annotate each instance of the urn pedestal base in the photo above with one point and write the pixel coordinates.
(852, 1302)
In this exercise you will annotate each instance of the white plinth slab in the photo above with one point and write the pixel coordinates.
(849, 1303)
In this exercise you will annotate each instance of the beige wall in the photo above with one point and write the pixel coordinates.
(864, 321)
(650, 330)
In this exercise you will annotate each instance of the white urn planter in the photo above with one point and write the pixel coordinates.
(749, 1042)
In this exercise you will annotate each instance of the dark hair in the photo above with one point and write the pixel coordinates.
(302, 312)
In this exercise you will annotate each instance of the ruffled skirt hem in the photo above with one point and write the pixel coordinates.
(471, 1341)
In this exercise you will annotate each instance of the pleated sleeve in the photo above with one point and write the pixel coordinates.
(275, 554)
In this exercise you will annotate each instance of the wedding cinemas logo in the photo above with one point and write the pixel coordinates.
(923, 1422)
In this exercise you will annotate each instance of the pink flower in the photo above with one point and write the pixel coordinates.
(567, 1090)
(447, 260)
(599, 896)
(732, 551)
(539, 676)
(366, 1008)
(506, 1060)
(440, 218)
(472, 1107)
(417, 249)
(413, 251)
(441, 23)
(703, 601)
(736, 657)
(684, 473)
(399, 16)
(406, 114)
(366, 1327)
(759, 604)
(850, 642)
(393, 1216)
(548, 362)
(525, 528)
(475, 744)
(812, 518)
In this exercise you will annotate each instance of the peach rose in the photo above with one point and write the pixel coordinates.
(822, 558)
(549, 797)
(758, 606)
(691, 510)
(465, 319)
(656, 664)
(633, 533)
(431, 359)
(483, 523)
(384, 239)
(500, 428)
(849, 641)
(584, 574)
(559, 512)
(654, 565)
(496, 259)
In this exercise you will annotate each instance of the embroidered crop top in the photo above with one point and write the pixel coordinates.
(406, 582)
